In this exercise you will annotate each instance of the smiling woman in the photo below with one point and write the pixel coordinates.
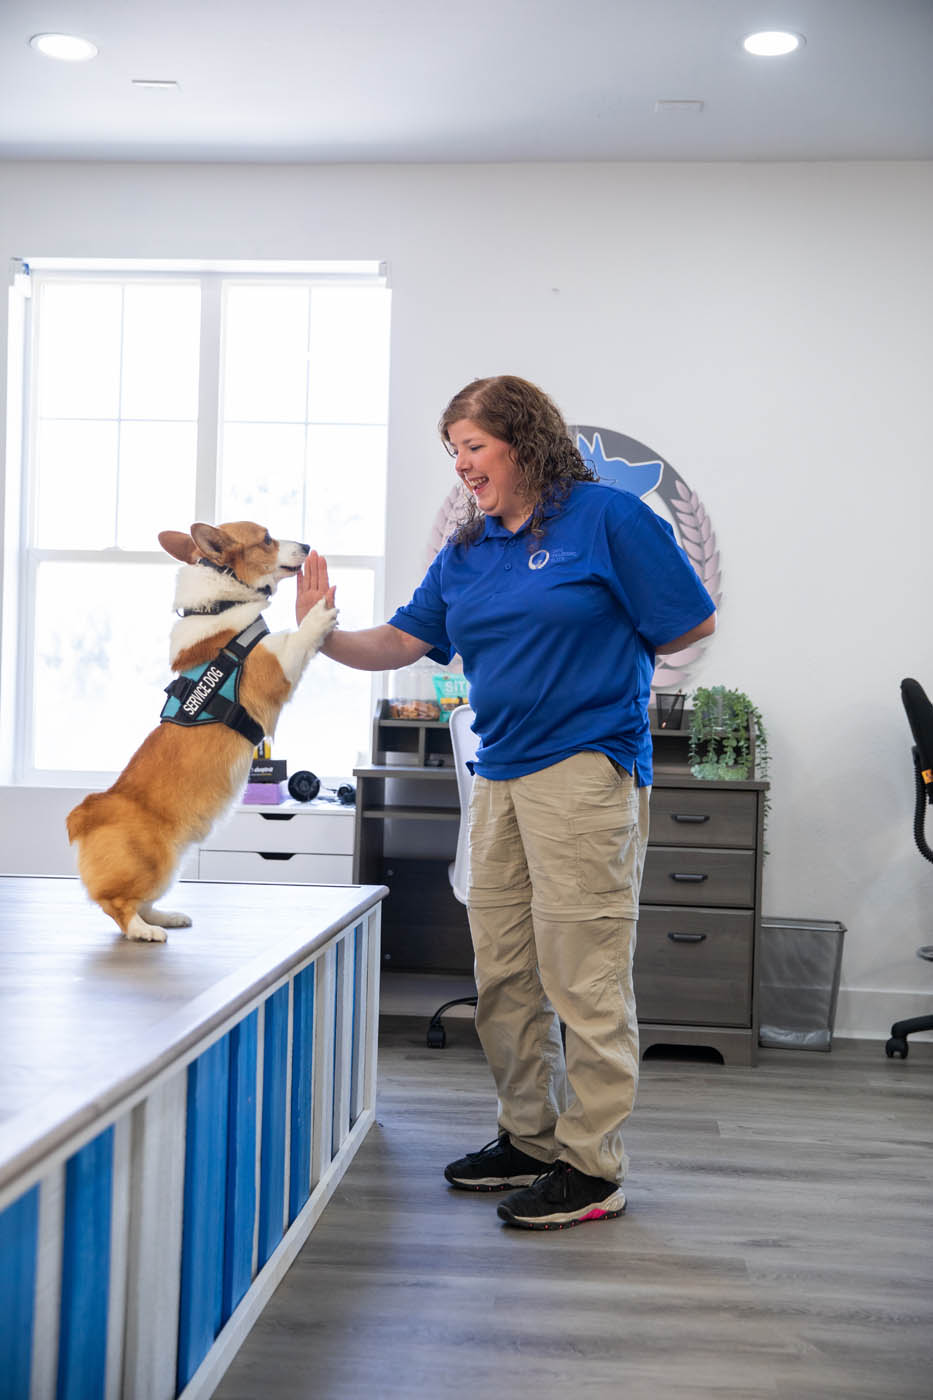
(556, 592)
(486, 465)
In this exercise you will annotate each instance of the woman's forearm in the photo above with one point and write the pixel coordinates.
(374, 648)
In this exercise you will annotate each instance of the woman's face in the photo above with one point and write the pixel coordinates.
(485, 464)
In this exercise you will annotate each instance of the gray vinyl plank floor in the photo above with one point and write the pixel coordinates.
(778, 1245)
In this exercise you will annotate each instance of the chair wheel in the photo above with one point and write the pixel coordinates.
(897, 1045)
(436, 1038)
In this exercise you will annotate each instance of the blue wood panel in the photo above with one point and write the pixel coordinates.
(355, 1024)
(299, 1178)
(241, 1164)
(202, 1243)
(82, 1335)
(272, 1155)
(340, 967)
(19, 1232)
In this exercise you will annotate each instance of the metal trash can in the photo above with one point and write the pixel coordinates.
(798, 982)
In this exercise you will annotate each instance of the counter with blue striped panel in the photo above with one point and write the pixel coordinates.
(136, 1262)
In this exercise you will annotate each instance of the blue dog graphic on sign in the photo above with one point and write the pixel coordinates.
(640, 478)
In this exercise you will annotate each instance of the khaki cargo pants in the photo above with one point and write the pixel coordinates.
(556, 860)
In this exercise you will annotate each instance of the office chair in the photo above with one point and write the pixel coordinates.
(920, 716)
(464, 744)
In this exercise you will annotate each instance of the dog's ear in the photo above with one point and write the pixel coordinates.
(179, 546)
(210, 540)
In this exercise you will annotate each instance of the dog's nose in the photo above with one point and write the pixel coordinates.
(305, 547)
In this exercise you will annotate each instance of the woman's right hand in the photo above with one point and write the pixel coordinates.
(313, 585)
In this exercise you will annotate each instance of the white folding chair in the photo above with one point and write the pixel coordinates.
(464, 744)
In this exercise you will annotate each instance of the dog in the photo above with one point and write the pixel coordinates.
(232, 678)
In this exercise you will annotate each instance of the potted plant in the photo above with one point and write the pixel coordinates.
(721, 746)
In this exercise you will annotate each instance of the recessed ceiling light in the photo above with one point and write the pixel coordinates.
(772, 43)
(67, 47)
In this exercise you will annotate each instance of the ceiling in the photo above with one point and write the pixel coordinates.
(479, 80)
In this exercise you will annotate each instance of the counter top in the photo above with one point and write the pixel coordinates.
(86, 1018)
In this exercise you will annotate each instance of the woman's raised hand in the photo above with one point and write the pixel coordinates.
(313, 585)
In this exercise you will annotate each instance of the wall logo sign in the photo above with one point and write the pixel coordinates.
(630, 465)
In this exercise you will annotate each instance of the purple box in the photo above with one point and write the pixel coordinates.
(265, 794)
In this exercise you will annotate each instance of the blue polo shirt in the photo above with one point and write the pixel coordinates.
(558, 635)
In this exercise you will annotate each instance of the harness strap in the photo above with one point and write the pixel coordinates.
(243, 643)
(199, 698)
(232, 714)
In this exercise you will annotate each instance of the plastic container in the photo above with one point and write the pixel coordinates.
(412, 693)
(798, 983)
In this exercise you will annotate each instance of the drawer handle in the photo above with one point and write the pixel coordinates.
(686, 937)
(275, 855)
(695, 817)
(277, 816)
(689, 879)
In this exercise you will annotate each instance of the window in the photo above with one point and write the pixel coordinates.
(156, 397)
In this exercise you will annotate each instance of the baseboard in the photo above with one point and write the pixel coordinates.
(869, 1015)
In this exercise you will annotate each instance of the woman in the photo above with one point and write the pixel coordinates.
(557, 592)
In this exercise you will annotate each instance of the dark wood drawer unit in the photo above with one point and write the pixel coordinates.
(694, 967)
(683, 875)
(701, 817)
(700, 909)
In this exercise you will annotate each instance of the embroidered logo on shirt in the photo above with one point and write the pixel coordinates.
(554, 556)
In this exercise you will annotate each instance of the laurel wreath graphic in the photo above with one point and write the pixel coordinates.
(451, 514)
(699, 545)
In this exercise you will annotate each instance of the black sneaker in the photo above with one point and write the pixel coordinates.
(496, 1167)
(562, 1197)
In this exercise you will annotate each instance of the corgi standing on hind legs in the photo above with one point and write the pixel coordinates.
(233, 677)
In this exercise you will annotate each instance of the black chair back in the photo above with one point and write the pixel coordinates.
(920, 717)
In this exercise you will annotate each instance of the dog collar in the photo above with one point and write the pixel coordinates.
(211, 611)
(266, 591)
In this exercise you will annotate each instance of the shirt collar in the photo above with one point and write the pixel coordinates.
(495, 530)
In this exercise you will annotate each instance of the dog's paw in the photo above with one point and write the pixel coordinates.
(319, 622)
(138, 931)
(168, 918)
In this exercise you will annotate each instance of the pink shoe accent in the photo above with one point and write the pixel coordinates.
(593, 1215)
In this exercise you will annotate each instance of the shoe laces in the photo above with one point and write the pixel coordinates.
(502, 1140)
(555, 1182)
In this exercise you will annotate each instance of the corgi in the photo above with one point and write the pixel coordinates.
(187, 772)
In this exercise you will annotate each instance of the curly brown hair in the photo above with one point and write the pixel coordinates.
(544, 453)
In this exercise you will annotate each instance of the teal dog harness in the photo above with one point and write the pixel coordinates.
(209, 694)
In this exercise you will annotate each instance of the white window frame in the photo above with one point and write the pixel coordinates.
(21, 560)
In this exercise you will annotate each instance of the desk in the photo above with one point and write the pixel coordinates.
(699, 920)
(173, 1120)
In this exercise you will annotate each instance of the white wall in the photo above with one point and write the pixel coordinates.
(766, 328)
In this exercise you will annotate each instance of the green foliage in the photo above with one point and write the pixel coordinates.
(719, 735)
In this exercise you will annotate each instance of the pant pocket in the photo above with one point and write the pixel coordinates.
(606, 848)
(497, 858)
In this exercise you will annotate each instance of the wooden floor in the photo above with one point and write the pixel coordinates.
(778, 1243)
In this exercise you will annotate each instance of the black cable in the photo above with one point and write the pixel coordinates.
(920, 809)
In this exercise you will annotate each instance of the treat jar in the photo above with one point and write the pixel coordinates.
(411, 692)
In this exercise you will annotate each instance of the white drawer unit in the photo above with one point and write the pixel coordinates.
(297, 868)
(292, 843)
